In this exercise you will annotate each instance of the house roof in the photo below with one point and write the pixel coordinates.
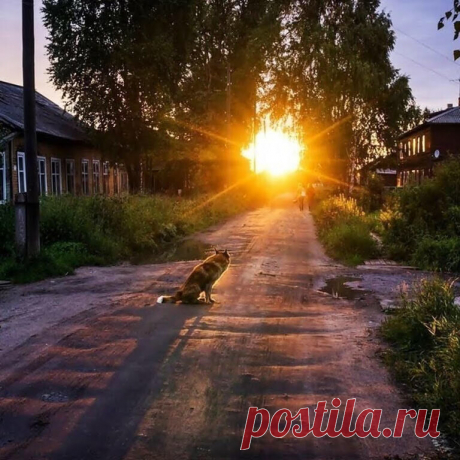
(448, 117)
(51, 119)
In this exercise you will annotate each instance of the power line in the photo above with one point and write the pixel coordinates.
(428, 47)
(425, 67)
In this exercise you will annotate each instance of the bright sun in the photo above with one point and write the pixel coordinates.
(275, 152)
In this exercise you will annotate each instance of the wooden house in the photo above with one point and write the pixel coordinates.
(421, 148)
(67, 160)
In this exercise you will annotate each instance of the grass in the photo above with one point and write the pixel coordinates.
(345, 230)
(100, 230)
(425, 353)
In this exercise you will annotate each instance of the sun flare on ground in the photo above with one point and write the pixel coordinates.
(275, 152)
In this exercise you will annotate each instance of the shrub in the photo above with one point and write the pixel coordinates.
(337, 209)
(350, 243)
(345, 230)
(56, 260)
(425, 335)
(418, 214)
(6, 230)
(438, 254)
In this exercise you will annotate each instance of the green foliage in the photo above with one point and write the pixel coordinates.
(422, 223)
(344, 230)
(425, 334)
(117, 71)
(58, 259)
(453, 16)
(371, 196)
(335, 70)
(6, 230)
(337, 209)
(438, 254)
(100, 230)
(181, 87)
(161, 92)
(350, 243)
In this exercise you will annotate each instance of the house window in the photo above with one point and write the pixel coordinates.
(423, 143)
(2, 177)
(56, 178)
(115, 180)
(408, 148)
(42, 176)
(84, 177)
(401, 151)
(418, 144)
(70, 175)
(21, 172)
(124, 181)
(96, 174)
(414, 146)
(105, 173)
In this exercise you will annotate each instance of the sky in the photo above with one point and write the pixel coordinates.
(414, 21)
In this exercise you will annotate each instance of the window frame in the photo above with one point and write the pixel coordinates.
(3, 176)
(24, 171)
(39, 159)
(69, 161)
(59, 162)
(116, 184)
(97, 183)
(83, 176)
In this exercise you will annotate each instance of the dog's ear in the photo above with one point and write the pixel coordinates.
(216, 250)
(226, 253)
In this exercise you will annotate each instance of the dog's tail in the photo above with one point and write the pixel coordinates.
(170, 298)
(167, 299)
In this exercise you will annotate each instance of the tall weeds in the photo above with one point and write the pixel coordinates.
(344, 230)
(102, 230)
(425, 335)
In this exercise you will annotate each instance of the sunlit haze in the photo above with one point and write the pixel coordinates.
(275, 152)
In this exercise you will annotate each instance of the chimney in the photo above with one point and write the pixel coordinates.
(450, 106)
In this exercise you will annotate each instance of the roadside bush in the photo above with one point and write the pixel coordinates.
(425, 336)
(371, 196)
(376, 189)
(58, 259)
(6, 230)
(345, 230)
(422, 223)
(350, 243)
(438, 254)
(337, 209)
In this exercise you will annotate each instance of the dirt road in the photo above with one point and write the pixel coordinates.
(92, 368)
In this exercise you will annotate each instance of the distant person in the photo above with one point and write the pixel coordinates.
(301, 195)
(310, 196)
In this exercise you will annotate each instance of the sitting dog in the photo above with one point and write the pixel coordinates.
(202, 278)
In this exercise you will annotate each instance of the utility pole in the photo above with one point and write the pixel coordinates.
(31, 245)
(458, 81)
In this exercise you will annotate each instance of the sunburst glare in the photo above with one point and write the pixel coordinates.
(275, 152)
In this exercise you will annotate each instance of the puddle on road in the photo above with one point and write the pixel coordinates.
(338, 287)
(177, 252)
